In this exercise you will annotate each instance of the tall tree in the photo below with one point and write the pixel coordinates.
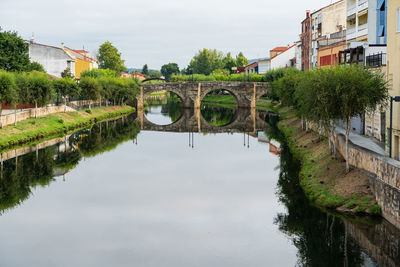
(206, 61)
(66, 88)
(168, 69)
(110, 58)
(145, 70)
(41, 89)
(13, 52)
(90, 89)
(241, 60)
(229, 62)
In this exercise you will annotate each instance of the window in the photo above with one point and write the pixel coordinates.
(398, 20)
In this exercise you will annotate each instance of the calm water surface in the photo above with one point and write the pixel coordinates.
(116, 197)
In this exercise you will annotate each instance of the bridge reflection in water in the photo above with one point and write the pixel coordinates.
(244, 120)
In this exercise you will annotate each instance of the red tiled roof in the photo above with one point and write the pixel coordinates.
(287, 48)
(279, 49)
(252, 65)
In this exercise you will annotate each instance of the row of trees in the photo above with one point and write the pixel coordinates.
(207, 61)
(36, 88)
(324, 96)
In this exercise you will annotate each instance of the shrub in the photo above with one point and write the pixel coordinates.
(89, 111)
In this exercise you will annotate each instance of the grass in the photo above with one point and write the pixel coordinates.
(324, 179)
(32, 129)
(229, 101)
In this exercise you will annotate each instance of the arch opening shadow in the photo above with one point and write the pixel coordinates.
(163, 108)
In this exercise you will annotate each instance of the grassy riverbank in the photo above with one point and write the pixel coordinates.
(32, 129)
(324, 179)
(228, 101)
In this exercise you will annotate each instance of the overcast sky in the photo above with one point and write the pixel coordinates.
(160, 31)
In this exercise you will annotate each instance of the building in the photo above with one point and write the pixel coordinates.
(325, 21)
(393, 74)
(53, 59)
(139, 76)
(377, 21)
(83, 61)
(357, 20)
(329, 49)
(305, 39)
(286, 58)
(258, 66)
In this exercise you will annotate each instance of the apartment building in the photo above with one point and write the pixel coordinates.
(393, 73)
(357, 21)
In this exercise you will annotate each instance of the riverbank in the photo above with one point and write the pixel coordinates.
(323, 178)
(32, 129)
(228, 101)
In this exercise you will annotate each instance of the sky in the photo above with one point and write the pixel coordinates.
(156, 32)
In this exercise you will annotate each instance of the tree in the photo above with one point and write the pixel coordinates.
(206, 61)
(360, 91)
(168, 69)
(7, 91)
(145, 70)
(241, 60)
(35, 66)
(90, 89)
(155, 74)
(98, 73)
(66, 88)
(67, 73)
(110, 58)
(41, 89)
(229, 62)
(13, 52)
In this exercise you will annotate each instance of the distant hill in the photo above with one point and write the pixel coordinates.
(132, 70)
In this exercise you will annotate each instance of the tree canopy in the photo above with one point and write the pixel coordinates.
(145, 70)
(168, 69)
(13, 52)
(110, 58)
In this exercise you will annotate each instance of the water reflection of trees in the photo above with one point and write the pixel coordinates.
(20, 175)
(171, 106)
(321, 239)
(218, 116)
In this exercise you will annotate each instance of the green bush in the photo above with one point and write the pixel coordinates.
(89, 111)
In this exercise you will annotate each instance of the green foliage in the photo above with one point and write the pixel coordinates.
(8, 92)
(13, 52)
(145, 70)
(98, 73)
(110, 58)
(168, 69)
(90, 88)
(67, 73)
(208, 60)
(35, 66)
(89, 111)
(241, 60)
(66, 88)
(40, 88)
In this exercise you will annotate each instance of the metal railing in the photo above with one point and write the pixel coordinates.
(376, 60)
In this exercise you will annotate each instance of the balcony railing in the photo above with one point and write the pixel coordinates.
(362, 27)
(376, 60)
(351, 10)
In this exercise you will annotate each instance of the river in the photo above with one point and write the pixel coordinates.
(118, 195)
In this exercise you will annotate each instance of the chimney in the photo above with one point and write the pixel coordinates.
(62, 45)
(307, 13)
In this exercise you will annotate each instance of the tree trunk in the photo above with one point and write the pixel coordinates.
(35, 109)
(100, 101)
(306, 125)
(347, 144)
(65, 104)
(1, 118)
(15, 114)
(302, 123)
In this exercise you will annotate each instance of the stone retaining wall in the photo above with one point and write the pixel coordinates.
(385, 180)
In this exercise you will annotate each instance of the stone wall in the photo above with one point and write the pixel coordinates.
(385, 179)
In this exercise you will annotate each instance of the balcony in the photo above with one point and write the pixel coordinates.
(351, 10)
(376, 60)
(362, 4)
(351, 33)
(362, 29)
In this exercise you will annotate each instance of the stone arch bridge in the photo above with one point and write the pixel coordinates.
(246, 93)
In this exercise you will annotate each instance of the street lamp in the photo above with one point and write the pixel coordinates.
(395, 99)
